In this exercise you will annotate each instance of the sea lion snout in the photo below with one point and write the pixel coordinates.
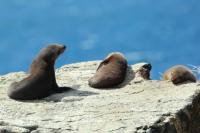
(147, 66)
(62, 49)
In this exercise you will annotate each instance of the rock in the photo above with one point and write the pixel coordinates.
(137, 105)
(12, 129)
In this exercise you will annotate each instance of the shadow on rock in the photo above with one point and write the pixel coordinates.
(73, 94)
(184, 83)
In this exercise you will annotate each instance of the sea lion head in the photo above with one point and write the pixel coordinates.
(176, 77)
(51, 52)
(144, 71)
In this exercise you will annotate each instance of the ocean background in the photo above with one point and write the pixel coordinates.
(164, 33)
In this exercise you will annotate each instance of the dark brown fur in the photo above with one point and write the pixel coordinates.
(111, 72)
(41, 82)
(179, 74)
(144, 71)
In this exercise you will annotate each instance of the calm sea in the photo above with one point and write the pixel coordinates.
(163, 33)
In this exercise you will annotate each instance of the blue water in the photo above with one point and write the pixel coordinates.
(164, 33)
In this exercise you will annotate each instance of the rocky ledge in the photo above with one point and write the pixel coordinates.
(137, 105)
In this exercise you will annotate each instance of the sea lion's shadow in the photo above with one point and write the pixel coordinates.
(184, 83)
(72, 92)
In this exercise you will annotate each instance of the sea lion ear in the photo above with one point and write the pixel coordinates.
(104, 62)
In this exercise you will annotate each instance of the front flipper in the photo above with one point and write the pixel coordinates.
(104, 62)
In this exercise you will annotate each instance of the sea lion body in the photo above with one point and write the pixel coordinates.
(179, 74)
(41, 82)
(111, 71)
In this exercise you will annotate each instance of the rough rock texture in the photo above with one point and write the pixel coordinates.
(136, 106)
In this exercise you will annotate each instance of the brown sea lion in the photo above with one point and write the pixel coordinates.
(111, 71)
(179, 74)
(41, 82)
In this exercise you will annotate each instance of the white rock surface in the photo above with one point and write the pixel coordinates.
(133, 106)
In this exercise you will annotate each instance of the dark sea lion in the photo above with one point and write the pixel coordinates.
(179, 74)
(41, 82)
(144, 71)
(111, 71)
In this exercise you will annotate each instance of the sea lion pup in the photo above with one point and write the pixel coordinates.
(179, 74)
(111, 71)
(41, 82)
